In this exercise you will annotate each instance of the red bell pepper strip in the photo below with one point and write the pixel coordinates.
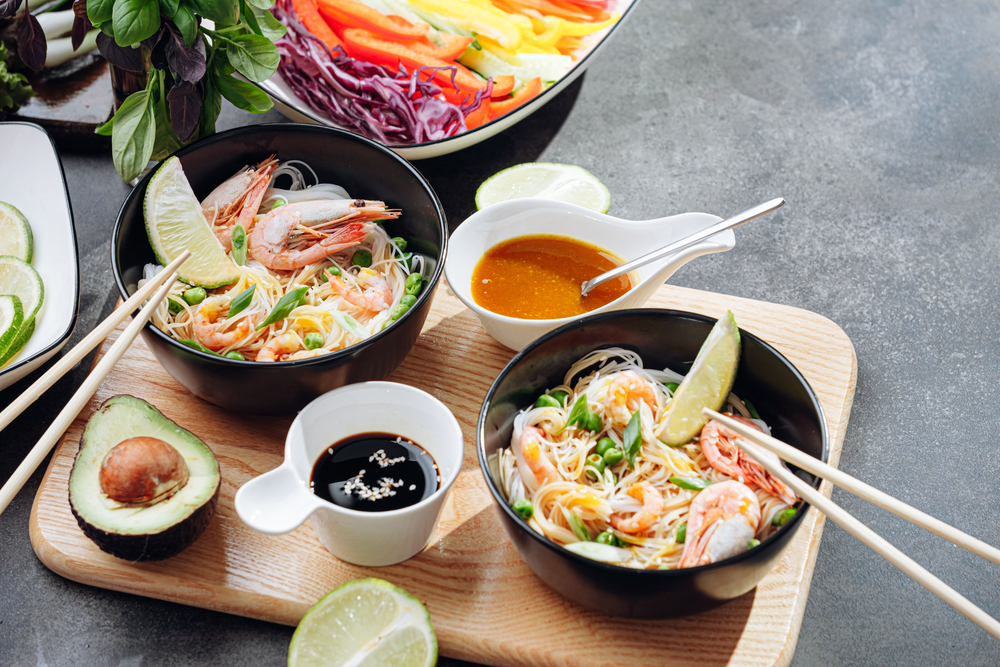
(309, 16)
(454, 46)
(528, 92)
(350, 14)
(480, 116)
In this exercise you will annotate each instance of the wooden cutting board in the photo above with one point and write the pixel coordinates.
(486, 605)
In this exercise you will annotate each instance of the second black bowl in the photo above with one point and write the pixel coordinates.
(664, 339)
(366, 170)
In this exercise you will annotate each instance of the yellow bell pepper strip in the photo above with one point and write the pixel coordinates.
(351, 14)
(528, 92)
(482, 20)
(454, 46)
(309, 16)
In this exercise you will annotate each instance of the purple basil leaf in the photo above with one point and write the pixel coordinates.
(185, 109)
(31, 44)
(80, 9)
(122, 57)
(81, 26)
(9, 7)
(158, 56)
(187, 61)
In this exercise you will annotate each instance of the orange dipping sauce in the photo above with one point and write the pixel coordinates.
(538, 277)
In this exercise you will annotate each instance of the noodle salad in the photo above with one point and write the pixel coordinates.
(316, 273)
(586, 469)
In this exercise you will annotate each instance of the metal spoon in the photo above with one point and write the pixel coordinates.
(721, 226)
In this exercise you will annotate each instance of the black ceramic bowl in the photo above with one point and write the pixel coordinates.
(664, 339)
(366, 170)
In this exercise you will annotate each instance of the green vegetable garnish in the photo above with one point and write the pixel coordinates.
(408, 300)
(400, 243)
(174, 306)
(604, 444)
(560, 396)
(285, 305)
(593, 422)
(682, 531)
(242, 300)
(398, 311)
(632, 439)
(613, 457)
(607, 537)
(361, 258)
(195, 295)
(672, 386)
(577, 526)
(691, 483)
(239, 239)
(313, 341)
(753, 543)
(751, 409)
(524, 509)
(579, 410)
(595, 466)
(334, 271)
(414, 283)
(196, 345)
(546, 401)
(781, 518)
(235, 355)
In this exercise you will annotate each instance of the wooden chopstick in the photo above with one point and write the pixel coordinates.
(862, 490)
(92, 340)
(859, 530)
(80, 398)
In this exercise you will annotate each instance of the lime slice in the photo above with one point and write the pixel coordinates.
(545, 180)
(706, 385)
(23, 334)
(11, 317)
(15, 233)
(18, 278)
(365, 623)
(175, 223)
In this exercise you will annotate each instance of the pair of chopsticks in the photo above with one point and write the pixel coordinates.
(869, 537)
(164, 280)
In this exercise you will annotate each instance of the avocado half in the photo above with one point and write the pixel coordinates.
(138, 532)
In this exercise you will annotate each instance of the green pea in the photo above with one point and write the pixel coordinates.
(235, 355)
(174, 306)
(560, 396)
(546, 401)
(613, 457)
(313, 340)
(607, 537)
(398, 310)
(753, 543)
(663, 567)
(334, 271)
(195, 295)
(682, 532)
(408, 300)
(781, 518)
(414, 283)
(361, 258)
(595, 467)
(672, 386)
(593, 422)
(604, 444)
(524, 509)
(400, 243)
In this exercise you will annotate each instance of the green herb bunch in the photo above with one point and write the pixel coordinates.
(14, 87)
(190, 68)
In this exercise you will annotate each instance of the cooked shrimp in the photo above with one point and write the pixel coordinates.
(210, 326)
(648, 516)
(626, 390)
(279, 346)
(722, 521)
(717, 443)
(376, 295)
(532, 463)
(236, 201)
(294, 235)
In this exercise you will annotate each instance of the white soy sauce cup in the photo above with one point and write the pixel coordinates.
(279, 501)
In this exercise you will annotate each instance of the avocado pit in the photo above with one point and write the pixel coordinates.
(143, 471)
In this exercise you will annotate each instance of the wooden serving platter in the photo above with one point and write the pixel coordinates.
(486, 605)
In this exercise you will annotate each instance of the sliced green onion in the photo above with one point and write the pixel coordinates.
(285, 305)
(196, 345)
(239, 239)
(691, 483)
(577, 526)
(348, 323)
(242, 300)
(753, 543)
(632, 439)
(682, 531)
(781, 518)
(602, 552)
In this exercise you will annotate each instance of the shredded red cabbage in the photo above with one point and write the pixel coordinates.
(364, 97)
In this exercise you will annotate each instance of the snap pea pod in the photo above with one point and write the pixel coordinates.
(285, 305)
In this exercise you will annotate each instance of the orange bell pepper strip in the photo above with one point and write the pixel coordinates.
(480, 116)
(528, 92)
(309, 15)
(454, 46)
(351, 14)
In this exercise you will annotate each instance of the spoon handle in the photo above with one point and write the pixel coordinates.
(721, 226)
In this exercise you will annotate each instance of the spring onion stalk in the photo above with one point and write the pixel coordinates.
(56, 24)
(61, 50)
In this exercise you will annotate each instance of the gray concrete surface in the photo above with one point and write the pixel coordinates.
(877, 121)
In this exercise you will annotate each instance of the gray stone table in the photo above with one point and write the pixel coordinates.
(877, 121)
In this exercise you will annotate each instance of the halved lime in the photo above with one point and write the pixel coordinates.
(15, 233)
(175, 223)
(11, 317)
(707, 384)
(546, 180)
(365, 623)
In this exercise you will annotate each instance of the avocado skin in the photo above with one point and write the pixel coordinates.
(150, 546)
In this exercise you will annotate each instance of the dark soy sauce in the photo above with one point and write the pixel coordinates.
(374, 472)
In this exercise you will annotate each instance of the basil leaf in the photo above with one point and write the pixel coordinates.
(122, 57)
(261, 4)
(632, 438)
(81, 26)
(169, 7)
(196, 345)
(266, 24)
(253, 56)
(187, 61)
(579, 410)
(243, 95)
(135, 20)
(221, 12)
(106, 129)
(186, 22)
(9, 8)
(242, 300)
(185, 110)
(133, 136)
(285, 305)
(99, 11)
(239, 254)
(31, 44)
(691, 483)
(211, 106)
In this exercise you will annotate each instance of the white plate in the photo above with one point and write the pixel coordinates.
(31, 178)
(293, 107)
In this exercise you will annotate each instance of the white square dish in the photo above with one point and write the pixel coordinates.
(31, 179)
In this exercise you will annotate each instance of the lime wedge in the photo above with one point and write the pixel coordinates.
(15, 233)
(545, 180)
(707, 384)
(175, 223)
(365, 623)
(11, 317)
